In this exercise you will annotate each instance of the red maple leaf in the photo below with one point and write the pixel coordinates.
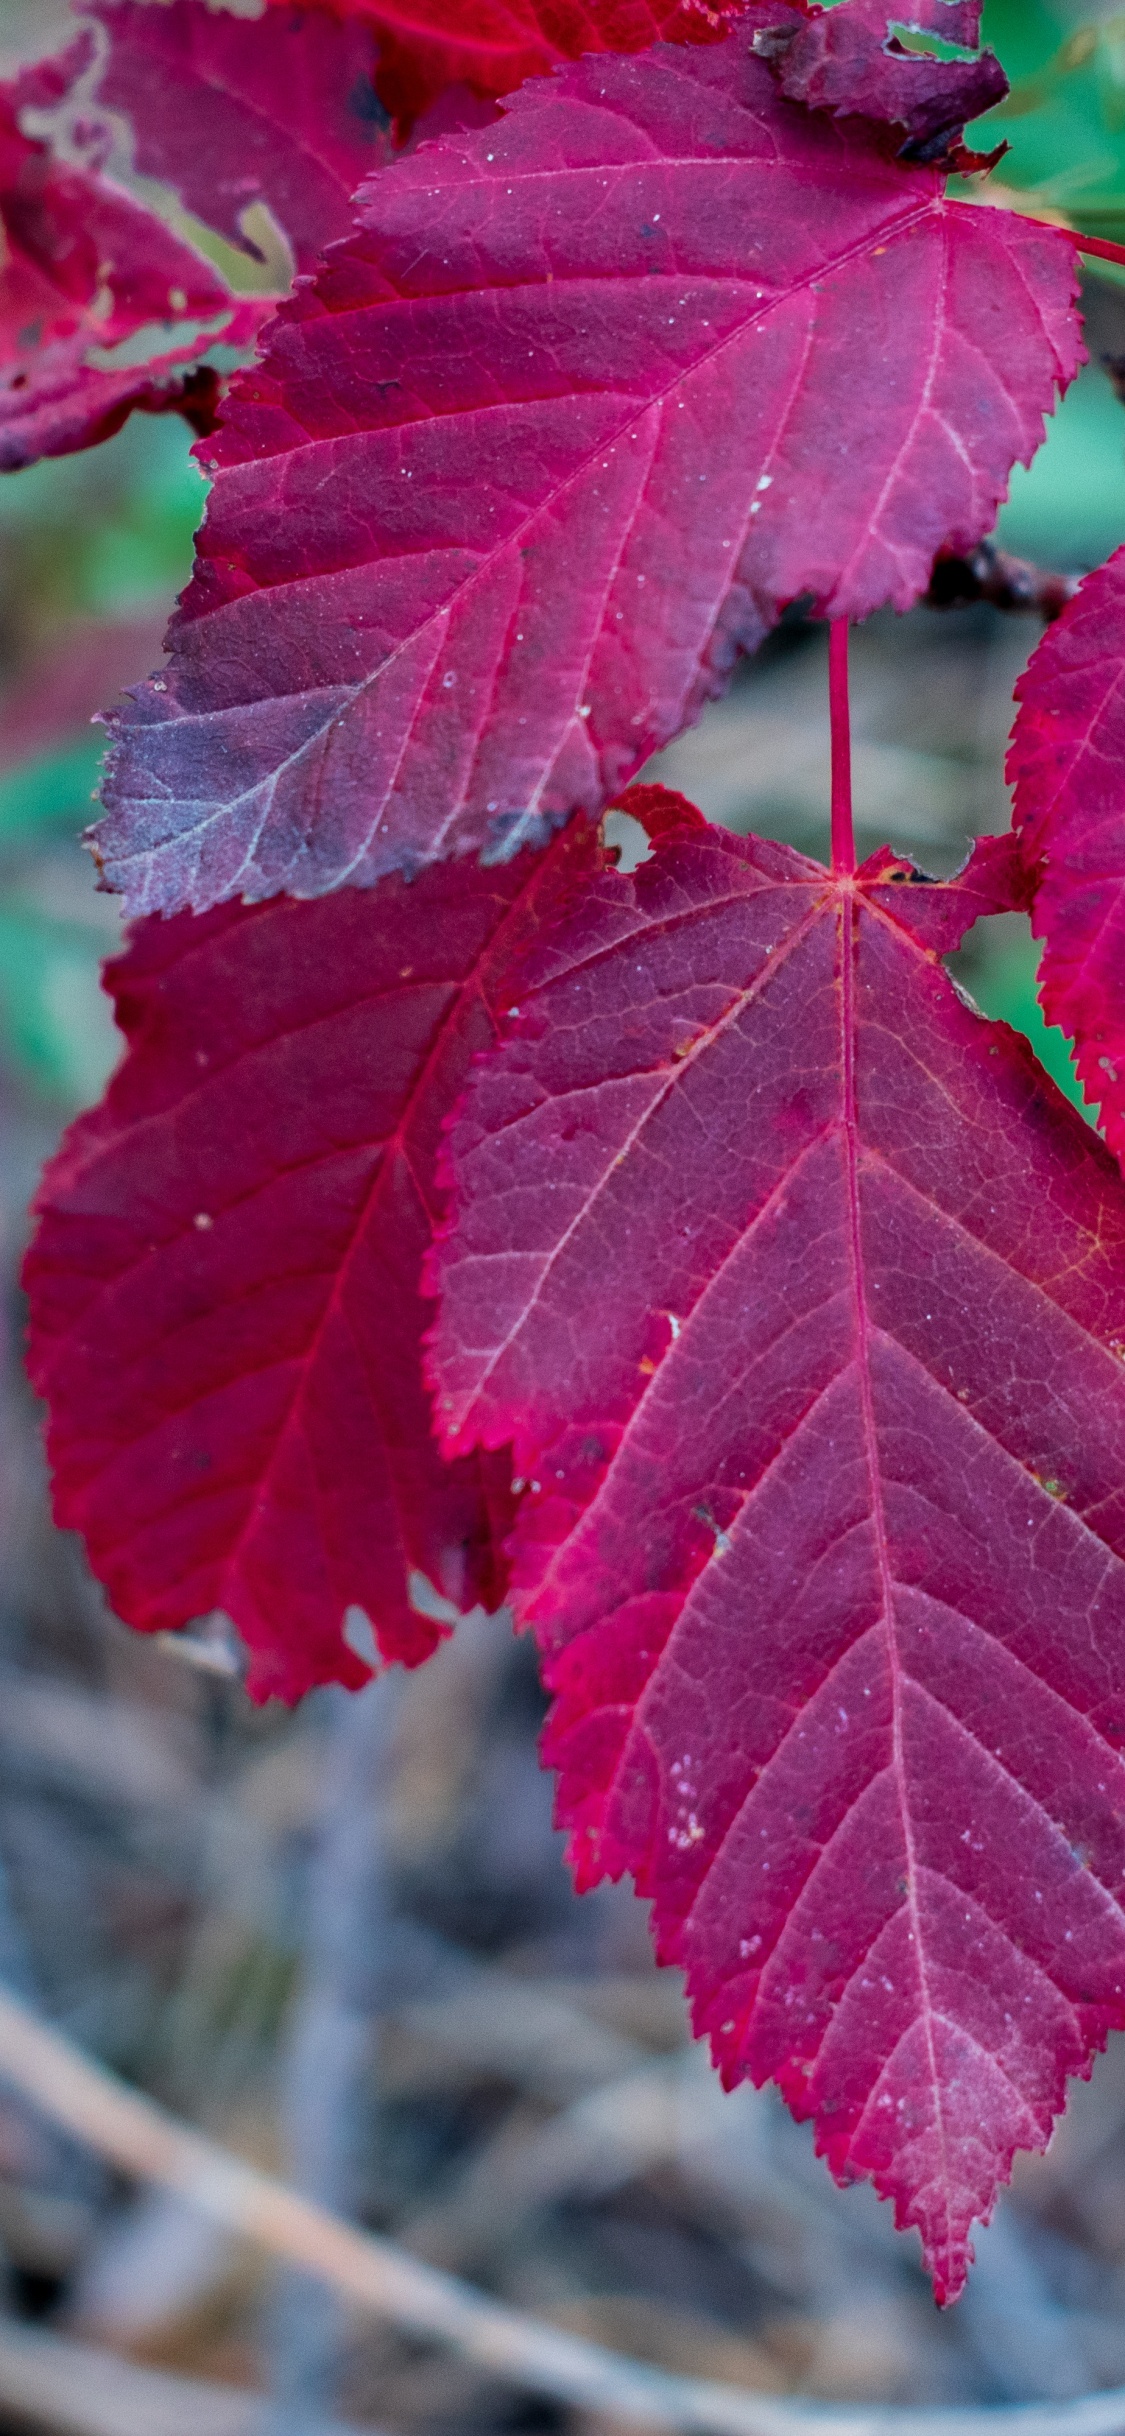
(849, 59)
(492, 45)
(1066, 763)
(588, 397)
(801, 1294)
(227, 114)
(225, 1304)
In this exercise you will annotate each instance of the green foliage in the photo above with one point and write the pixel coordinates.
(1068, 510)
(1065, 116)
(1001, 971)
(105, 537)
(57, 1028)
(98, 534)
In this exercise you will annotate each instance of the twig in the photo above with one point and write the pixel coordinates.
(989, 574)
(330, 2048)
(142, 2140)
(526, 2031)
(111, 1750)
(72, 2389)
(623, 2128)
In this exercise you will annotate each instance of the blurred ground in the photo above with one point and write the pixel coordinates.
(344, 1941)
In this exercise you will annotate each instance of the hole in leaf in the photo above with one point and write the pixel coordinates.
(927, 45)
(360, 1637)
(999, 967)
(630, 839)
(426, 1600)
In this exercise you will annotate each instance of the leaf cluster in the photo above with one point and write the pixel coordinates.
(672, 1251)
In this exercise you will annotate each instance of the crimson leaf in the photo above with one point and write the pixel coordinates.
(73, 247)
(801, 1293)
(848, 60)
(224, 1285)
(102, 306)
(231, 113)
(492, 45)
(587, 398)
(1067, 759)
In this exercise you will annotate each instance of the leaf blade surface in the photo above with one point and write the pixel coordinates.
(61, 226)
(105, 305)
(226, 1313)
(799, 1291)
(233, 111)
(493, 45)
(553, 437)
(1066, 761)
(848, 60)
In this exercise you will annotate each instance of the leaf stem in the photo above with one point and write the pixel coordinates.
(843, 837)
(1104, 247)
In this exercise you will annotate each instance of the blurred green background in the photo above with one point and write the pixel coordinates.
(93, 549)
(1065, 123)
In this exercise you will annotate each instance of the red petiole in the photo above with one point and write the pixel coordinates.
(843, 838)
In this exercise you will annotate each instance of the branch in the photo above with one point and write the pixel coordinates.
(989, 574)
(141, 2140)
(71, 2389)
(330, 2051)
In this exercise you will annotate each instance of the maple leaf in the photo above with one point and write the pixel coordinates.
(849, 59)
(224, 1284)
(586, 399)
(493, 45)
(1066, 764)
(800, 1292)
(104, 307)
